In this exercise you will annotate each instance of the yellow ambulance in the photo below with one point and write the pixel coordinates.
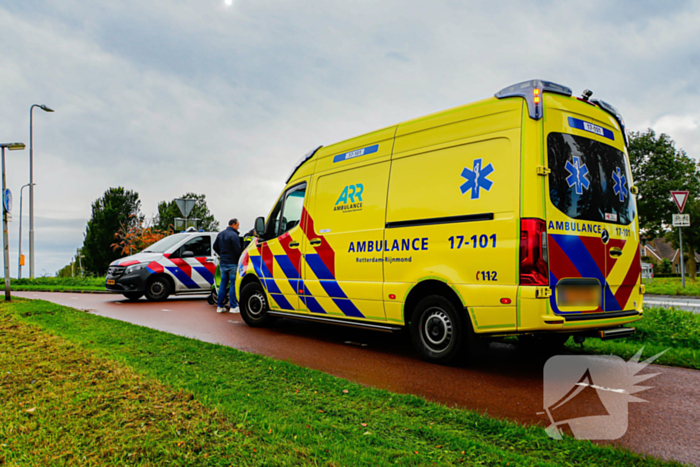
(514, 215)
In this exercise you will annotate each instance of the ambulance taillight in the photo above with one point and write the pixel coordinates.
(533, 252)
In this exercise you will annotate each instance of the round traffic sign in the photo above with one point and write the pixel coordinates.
(7, 200)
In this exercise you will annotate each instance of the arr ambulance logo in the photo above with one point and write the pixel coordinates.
(350, 199)
(477, 179)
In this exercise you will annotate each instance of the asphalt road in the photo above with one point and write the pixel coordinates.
(508, 383)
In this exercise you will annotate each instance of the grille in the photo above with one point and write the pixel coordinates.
(115, 271)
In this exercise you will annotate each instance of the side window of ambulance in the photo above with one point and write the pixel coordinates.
(200, 246)
(272, 226)
(287, 214)
(293, 207)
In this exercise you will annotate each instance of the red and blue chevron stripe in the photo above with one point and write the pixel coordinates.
(322, 263)
(572, 256)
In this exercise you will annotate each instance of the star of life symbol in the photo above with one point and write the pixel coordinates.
(620, 182)
(587, 396)
(476, 179)
(578, 175)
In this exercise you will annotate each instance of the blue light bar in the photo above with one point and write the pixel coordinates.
(526, 91)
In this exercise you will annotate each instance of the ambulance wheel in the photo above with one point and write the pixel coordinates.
(157, 289)
(254, 307)
(133, 295)
(437, 330)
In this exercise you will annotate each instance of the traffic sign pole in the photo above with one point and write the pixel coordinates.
(680, 198)
(5, 240)
(680, 236)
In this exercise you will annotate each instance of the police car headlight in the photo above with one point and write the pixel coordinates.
(135, 268)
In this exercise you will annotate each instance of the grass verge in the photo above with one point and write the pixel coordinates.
(673, 286)
(59, 284)
(659, 330)
(245, 409)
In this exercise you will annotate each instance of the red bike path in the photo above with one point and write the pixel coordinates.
(505, 384)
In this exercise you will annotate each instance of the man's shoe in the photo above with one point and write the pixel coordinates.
(221, 310)
(235, 310)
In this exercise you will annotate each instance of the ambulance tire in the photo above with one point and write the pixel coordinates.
(254, 307)
(157, 289)
(133, 295)
(437, 330)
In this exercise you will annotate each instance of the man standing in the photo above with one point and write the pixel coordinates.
(228, 247)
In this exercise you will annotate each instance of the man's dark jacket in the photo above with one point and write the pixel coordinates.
(228, 246)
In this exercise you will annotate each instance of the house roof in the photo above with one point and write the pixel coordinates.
(660, 249)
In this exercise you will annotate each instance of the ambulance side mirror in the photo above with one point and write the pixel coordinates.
(260, 226)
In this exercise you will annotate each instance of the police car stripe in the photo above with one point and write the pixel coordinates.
(206, 275)
(182, 277)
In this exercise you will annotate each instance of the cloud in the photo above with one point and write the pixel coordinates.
(169, 97)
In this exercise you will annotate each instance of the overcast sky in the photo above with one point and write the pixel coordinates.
(166, 97)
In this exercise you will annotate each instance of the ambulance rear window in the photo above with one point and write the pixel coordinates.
(590, 180)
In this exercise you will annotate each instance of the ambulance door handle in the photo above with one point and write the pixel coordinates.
(294, 245)
(315, 241)
(615, 252)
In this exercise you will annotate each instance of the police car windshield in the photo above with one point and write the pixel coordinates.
(161, 246)
(590, 180)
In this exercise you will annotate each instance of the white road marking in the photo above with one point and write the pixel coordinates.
(674, 303)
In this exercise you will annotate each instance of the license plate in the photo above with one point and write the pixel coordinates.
(110, 281)
(578, 296)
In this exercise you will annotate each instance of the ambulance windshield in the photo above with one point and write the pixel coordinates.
(590, 180)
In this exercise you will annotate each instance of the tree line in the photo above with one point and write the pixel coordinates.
(118, 228)
(658, 168)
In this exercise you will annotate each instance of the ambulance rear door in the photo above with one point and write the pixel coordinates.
(593, 243)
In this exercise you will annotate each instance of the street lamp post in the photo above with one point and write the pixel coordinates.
(19, 257)
(5, 240)
(31, 185)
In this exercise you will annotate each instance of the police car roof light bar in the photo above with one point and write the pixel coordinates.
(526, 90)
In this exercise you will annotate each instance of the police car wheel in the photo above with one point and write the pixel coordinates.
(158, 289)
(437, 330)
(254, 307)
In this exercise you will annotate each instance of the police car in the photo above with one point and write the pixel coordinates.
(184, 263)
